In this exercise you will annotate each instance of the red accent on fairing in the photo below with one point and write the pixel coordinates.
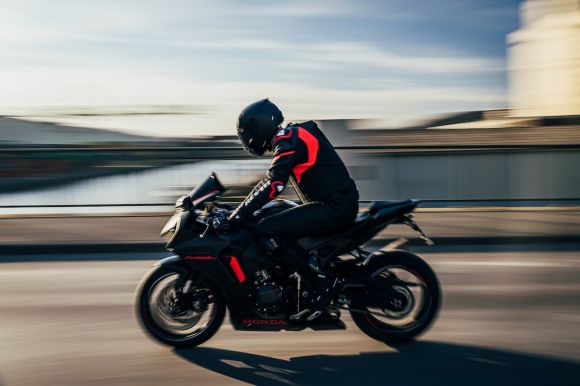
(199, 257)
(278, 156)
(200, 199)
(312, 146)
(274, 192)
(276, 139)
(235, 265)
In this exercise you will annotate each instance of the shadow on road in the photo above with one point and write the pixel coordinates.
(420, 363)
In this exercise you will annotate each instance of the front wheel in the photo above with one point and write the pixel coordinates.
(395, 319)
(179, 315)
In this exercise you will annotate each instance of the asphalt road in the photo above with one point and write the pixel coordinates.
(508, 318)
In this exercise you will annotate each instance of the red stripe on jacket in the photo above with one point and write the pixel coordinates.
(312, 149)
(278, 156)
(274, 192)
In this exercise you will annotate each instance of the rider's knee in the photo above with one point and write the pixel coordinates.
(265, 228)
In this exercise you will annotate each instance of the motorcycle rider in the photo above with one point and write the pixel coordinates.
(302, 154)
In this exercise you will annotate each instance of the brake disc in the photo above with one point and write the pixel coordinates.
(398, 308)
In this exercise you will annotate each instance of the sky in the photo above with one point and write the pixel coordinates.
(397, 60)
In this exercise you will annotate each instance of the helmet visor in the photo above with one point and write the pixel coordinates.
(247, 141)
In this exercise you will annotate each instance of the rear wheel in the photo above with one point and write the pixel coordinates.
(413, 308)
(175, 317)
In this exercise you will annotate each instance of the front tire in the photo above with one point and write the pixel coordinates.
(188, 329)
(392, 327)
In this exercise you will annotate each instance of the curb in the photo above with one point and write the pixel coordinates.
(497, 244)
(105, 251)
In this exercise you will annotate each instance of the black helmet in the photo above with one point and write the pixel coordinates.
(257, 124)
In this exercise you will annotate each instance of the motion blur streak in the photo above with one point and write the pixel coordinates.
(110, 110)
(71, 324)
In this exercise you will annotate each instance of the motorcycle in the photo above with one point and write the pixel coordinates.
(392, 295)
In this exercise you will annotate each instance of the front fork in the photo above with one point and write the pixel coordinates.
(187, 291)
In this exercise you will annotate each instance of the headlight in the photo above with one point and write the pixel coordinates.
(167, 236)
(171, 225)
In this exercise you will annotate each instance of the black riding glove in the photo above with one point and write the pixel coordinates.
(184, 202)
(220, 222)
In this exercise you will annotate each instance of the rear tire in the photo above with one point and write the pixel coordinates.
(150, 324)
(385, 332)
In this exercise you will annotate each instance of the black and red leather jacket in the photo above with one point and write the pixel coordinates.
(302, 152)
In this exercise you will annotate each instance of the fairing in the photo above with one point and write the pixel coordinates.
(208, 190)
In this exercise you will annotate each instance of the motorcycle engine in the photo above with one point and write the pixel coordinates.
(268, 296)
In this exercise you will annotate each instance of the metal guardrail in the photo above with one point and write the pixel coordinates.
(396, 149)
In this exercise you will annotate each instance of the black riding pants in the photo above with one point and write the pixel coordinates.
(313, 219)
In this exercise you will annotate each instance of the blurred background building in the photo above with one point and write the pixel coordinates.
(525, 147)
(544, 59)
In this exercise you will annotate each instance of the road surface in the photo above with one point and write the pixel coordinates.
(508, 318)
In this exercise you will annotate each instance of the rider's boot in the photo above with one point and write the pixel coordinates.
(326, 287)
(270, 245)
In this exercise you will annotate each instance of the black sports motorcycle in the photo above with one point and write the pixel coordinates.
(392, 295)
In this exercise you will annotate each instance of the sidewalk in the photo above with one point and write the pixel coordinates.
(450, 229)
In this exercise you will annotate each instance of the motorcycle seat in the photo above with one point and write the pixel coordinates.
(383, 210)
(375, 206)
(361, 218)
(361, 221)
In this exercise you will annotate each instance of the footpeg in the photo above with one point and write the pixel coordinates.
(299, 315)
(327, 321)
(314, 315)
